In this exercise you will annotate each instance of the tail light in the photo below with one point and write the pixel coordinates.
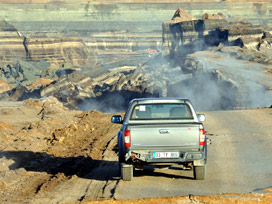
(127, 138)
(202, 136)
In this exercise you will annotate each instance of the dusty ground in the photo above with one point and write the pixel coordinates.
(49, 154)
(43, 145)
(224, 199)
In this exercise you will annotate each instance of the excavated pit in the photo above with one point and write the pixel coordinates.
(116, 62)
(48, 151)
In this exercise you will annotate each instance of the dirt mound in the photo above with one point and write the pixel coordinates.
(43, 82)
(4, 86)
(43, 145)
(214, 16)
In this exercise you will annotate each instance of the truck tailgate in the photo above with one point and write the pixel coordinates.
(168, 136)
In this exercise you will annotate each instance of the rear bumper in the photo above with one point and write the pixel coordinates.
(146, 156)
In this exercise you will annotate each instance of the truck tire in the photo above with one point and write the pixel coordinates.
(199, 172)
(121, 160)
(126, 172)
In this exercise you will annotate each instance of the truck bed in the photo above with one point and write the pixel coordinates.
(165, 136)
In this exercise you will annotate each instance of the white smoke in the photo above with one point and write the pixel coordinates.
(249, 77)
(221, 82)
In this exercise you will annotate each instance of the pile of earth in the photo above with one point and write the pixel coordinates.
(43, 146)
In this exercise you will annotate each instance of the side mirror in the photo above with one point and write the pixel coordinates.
(116, 119)
(201, 117)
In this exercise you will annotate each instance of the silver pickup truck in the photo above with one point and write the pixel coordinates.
(161, 132)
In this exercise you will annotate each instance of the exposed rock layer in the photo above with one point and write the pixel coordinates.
(183, 37)
(57, 51)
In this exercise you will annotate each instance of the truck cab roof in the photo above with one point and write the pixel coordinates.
(160, 100)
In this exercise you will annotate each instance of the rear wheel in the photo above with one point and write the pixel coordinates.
(199, 172)
(121, 158)
(126, 172)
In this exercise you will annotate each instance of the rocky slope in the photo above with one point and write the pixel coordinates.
(59, 52)
(12, 45)
(96, 19)
(235, 47)
(55, 51)
(198, 49)
(24, 60)
(184, 34)
(172, 74)
(16, 50)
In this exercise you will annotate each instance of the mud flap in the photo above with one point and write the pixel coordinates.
(199, 162)
(126, 172)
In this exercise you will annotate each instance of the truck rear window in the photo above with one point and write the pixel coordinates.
(161, 111)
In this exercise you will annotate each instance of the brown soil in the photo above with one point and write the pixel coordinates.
(45, 147)
(42, 144)
(5, 86)
(218, 199)
(43, 82)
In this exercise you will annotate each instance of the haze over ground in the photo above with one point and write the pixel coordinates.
(76, 56)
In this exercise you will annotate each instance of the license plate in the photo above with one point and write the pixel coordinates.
(165, 154)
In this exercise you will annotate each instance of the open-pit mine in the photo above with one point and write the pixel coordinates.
(66, 66)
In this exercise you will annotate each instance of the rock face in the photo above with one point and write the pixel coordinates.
(59, 51)
(119, 24)
(24, 60)
(56, 51)
(184, 37)
(106, 92)
(11, 44)
(111, 92)
(222, 54)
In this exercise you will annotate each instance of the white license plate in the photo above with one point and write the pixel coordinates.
(165, 154)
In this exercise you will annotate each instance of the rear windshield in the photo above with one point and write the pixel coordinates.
(161, 112)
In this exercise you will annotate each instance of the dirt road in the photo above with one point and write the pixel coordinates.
(49, 154)
(239, 160)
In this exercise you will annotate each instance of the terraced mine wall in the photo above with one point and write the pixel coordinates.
(56, 51)
(182, 38)
(130, 25)
(24, 59)
(127, 30)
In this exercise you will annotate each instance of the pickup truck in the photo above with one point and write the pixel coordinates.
(161, 132)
